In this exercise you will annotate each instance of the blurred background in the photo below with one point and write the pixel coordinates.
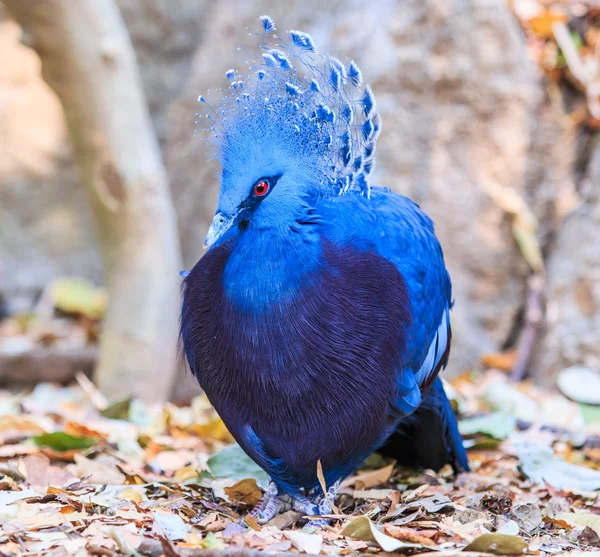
(490, 109)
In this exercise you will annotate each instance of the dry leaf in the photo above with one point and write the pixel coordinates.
(498, 544)
(363, 529)
(377, 494)
(245, 491)
(581, 519)
(96, 472)
(407, 535)
(370, 479)
(307, 543)
(169, 525)
(131, 495)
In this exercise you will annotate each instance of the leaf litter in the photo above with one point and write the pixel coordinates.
(79, 476)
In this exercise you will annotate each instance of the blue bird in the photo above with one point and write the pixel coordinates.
(319, 318)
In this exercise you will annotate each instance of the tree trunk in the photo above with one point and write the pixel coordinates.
(88, 60)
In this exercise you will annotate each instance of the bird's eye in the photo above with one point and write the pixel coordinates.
(261, 188)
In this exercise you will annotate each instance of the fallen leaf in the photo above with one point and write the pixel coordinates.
(118, 410)
(82, 431)
(498, 544)
(307, 543)
(35, 469)
(370, 479)
(245, 491)
(377, 494)
(363, 529)
(498, 425)
(232, 462)
(61, 441)
(529, 517)
(131, 495)
(97, 472)
(510, 528)
(433, 504)
(539, 463)
(169, 525)
(185, 474)
(252, 523)
(212, 429)
(407, 534)
(581, 519)
(211, 542)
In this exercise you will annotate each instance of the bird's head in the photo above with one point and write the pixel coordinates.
(297, 127)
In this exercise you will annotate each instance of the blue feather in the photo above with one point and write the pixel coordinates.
(261, 117)
(303, 40)
(323, 303)
(354, 74)
(368, 101)
(267, 23)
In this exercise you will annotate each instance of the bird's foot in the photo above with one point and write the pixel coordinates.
(323, 504)
(304, 505)
(273, 503)
(270, 505)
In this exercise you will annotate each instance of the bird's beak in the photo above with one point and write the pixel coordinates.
(221, 223)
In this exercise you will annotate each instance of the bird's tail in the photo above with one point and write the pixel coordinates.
(429, 437)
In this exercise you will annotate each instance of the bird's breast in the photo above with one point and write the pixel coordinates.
(313, 372)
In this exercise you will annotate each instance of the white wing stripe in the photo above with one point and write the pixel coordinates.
(436, 350)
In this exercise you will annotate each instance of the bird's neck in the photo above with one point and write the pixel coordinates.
(269, 265)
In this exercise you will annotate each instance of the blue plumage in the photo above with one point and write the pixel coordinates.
(319, 318)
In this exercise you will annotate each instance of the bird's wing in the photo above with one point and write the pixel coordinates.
(413, 382)
(400, 232)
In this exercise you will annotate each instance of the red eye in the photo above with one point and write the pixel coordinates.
(261, 188)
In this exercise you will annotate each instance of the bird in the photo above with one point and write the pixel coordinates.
(318, 319)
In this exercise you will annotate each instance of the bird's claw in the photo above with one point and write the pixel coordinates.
(272, 503)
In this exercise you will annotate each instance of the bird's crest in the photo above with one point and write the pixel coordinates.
(314, 107)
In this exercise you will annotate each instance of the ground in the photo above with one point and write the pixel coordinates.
(79, 477)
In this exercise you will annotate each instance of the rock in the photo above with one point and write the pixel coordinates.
(573, 287)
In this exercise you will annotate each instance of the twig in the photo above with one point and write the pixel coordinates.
(534, 319)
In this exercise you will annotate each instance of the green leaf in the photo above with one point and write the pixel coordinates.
(232, 462)
(498, 544)
(118, 410)
(61, 441)
(211, 542)
(498, 425)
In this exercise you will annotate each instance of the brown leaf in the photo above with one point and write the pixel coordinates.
(370, 479)
(252, 523)
(361, 528)
(244, 491)
(98, 473)
(35, 469)
(79, 430)
(407, 534)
